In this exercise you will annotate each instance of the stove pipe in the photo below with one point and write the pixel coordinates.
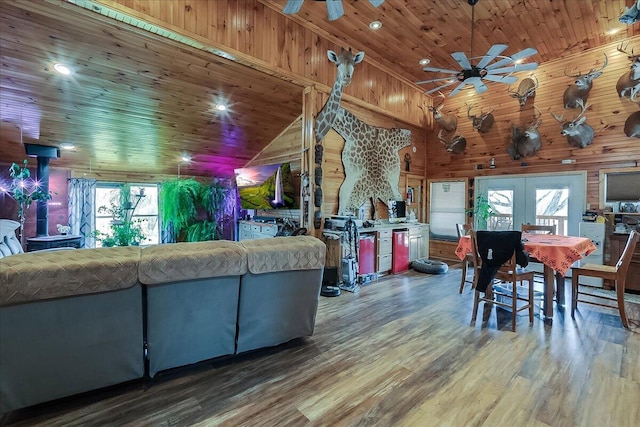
(43, 154)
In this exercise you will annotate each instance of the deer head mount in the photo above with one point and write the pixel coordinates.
(455, 145)
(632, 124)
(579, 134)
(448, 121)
(526, 89)
(526, 142)
(582, 85)
(629, 82)
(483, 122)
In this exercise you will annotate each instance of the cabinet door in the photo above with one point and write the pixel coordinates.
(414, 247)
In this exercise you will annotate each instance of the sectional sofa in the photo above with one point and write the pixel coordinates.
(74, 321)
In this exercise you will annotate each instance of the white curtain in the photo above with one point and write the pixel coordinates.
(82, 200)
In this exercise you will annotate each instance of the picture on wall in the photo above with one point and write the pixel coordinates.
(266, 187)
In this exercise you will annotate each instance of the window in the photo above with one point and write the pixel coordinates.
(446, 208)
(144, 207)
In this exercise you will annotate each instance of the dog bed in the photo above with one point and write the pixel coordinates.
(429, 266)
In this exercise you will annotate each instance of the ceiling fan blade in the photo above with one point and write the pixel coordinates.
(501, 79)
(440, 70)
(526, 67)
(477, 82)
(376, 3)
(334, 9)
(292, 6)
(524, 53)
(520, 55)
(462, 60)
(514, 68)
(437, 80)
(458, 89)
(441, 86)
(494, 51)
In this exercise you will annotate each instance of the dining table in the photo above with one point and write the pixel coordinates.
(557, 253)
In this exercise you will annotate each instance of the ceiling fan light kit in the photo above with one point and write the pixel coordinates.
(491, 67)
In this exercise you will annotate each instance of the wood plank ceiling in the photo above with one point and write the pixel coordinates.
(137, 101)
(413, 30)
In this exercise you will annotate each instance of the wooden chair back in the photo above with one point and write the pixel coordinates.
(622, 266)
(539, 229)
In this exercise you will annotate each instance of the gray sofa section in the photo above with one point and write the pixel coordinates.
(70, 324)
(55, 348)
(192, 292)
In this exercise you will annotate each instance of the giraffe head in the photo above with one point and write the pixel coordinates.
(346, 62)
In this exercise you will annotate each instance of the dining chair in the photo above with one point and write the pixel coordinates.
(542, 229)
(509, 273)
(538, 229)
(468, 261)
(616, 273)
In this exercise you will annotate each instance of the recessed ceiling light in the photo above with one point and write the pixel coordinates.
(375, 25)
(221, 107)
(67, 146)
(62, 69)
(613, 31)
(425, 61)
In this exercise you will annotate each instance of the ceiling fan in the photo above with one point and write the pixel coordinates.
(485, 70)
(334, 7)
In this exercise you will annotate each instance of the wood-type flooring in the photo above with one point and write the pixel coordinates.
(400, 352)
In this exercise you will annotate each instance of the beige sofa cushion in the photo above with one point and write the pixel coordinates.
(284, 253)
(187, 261)
(44, 275)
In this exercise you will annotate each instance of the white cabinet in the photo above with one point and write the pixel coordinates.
(418, 242)
(256, 230)
(384, 251)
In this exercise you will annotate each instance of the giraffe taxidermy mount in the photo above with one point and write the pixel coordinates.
(370, 155)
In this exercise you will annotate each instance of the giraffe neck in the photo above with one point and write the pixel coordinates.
(326, 116)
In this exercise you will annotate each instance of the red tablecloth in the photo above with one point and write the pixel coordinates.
(557, 252)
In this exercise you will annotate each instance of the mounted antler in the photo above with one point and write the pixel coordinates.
(628, 82)
(582, 85)
(526, 89)
(526, 143)
(455, 145)
(482, 123)
(579, 134)
(449, 121)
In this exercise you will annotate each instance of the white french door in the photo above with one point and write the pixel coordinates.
(534, 199)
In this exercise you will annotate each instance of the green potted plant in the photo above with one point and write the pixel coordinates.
(191, 209)
(24, 191)
(482, 212)
(124, 231)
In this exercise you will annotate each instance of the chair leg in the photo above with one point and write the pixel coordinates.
(621, 309)
(531, 301)
(514, 305)
(464, 275)
(476, 302)
(574, 293)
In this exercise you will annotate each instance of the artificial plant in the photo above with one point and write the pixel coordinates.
(24, 191)
(191, 209)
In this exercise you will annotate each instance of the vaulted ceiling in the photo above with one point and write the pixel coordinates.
(137, 101)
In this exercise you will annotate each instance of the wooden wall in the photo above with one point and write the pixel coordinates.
(611, 148)
(251, 32)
